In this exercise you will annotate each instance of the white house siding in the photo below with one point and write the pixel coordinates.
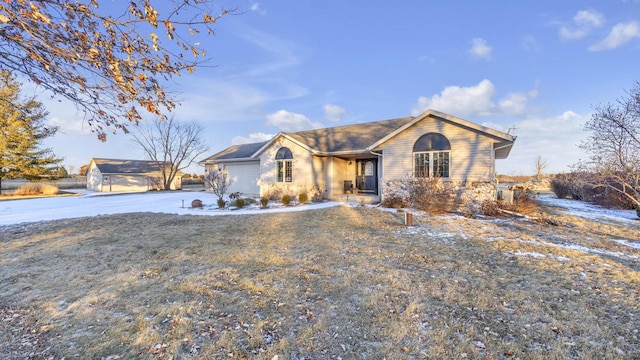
(319, 176)
(125, 183)
(177, 183)
(338, 174)
(244, 177)
(307, 172)
(94, 178)
(471, 152)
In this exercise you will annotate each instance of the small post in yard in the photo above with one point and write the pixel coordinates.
(408, 218)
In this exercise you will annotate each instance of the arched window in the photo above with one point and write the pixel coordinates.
(284, 165)
(432, 156)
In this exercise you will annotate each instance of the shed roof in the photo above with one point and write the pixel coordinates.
(121, 166)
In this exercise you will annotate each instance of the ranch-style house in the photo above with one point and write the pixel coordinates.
(368, 159)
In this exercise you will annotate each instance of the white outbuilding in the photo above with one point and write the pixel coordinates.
(116, 175)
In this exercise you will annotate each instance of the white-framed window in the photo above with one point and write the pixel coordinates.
(284, 165)
(432, 156)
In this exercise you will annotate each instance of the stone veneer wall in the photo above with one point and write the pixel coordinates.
(468, 196)
(275, 190)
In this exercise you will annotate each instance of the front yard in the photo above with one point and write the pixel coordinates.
(335, 283)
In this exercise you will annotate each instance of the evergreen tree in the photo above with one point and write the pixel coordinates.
(22, 129)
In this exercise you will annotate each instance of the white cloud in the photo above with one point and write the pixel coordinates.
(252, 138)
(427, 59)
(513, 103)
(479, 49)
(288, 121)
(572, 34)
(530, 44)
(220, 101)
(62, 113)
(255, 7)
(334, 113)
(620, 34)
(584, 21)
(285, 54)
(589, 18)
(462, 101)
(554, 138)
(69, 120)
(474, 101)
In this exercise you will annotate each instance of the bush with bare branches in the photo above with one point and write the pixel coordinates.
(36, 189)
(430, 194)
(219, 182)
(613, 167)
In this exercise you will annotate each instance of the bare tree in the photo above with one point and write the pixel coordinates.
(171, 144)
(540, 165)
(107, 57)
(614, 147)
(219, 182)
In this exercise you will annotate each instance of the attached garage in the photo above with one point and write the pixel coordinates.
(244, 177)
(243, 170)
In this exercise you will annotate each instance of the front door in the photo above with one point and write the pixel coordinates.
(367, 175)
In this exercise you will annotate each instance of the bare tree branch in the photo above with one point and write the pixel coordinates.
(540, 165)
(171, 144)
(614, 147)
(218, 181)
(111, 67)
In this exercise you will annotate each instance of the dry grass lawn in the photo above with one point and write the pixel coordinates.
(338, 283)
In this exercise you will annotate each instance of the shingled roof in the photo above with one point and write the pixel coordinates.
(356, 137)
(344, 138)
(242, 151)
(118, 166)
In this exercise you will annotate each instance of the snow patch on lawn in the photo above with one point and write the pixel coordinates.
(580, 248)
(587, 210)
(89, 203)
(633, 245)
(529, 254)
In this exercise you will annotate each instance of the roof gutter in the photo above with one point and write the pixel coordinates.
(216, 161)
(508, 146)
(502, 147)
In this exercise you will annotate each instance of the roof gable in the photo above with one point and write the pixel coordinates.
(498, 136)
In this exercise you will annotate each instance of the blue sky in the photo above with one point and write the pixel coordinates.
(536, 67)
